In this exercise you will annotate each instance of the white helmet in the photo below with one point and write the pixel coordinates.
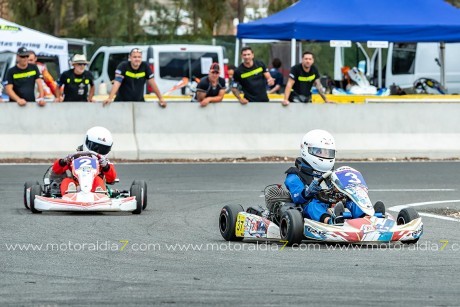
(318, 150)
(98, 139)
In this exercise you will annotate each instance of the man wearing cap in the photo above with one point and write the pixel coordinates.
(21, 79)
(253, 77)
(130, 78)
(77, 82)
(211, 88)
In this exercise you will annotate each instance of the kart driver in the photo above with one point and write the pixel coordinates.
(97, 139)
(317, 152)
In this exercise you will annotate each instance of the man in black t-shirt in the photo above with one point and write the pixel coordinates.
(78, 82)
(301, 80)
(211, 88)
(253, 76)
(20, 80)
(130, 78)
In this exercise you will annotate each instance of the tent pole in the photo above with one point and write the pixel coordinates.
(380, 67)
(293, 61)
(299, 54)
(237, 51)
(442, 56)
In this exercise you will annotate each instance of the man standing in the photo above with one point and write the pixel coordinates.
(301, 80)
(211, 88)
(130, 77)
(21, 79)
(77, 82)
(253, 76)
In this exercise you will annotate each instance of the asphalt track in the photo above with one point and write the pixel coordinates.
(174, 254)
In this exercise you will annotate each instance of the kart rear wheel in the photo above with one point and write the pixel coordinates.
(291, 227)
(34, 191)
(143, 184)
(28, 185)
(227, 222)
(136, 190)
(405, 216)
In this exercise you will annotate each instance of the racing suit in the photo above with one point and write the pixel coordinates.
(298, 178)
(108, 173)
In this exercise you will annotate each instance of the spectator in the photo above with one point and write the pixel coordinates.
(21, 79)
(230, 72)
(130, 77)
(211, 88)
(253, 77)
(301, 80)
(77, 82)
(277, 76)
(49, 85)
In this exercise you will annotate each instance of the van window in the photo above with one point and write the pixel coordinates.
(114, 60)
(403, 58)
(97, 65)
(176, 65)
(52, 65)
(3, 69)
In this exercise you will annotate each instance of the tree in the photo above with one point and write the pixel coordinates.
(211, 13)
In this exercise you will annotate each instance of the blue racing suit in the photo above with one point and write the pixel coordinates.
(297, 181)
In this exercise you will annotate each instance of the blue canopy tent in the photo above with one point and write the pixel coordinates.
(359, 21)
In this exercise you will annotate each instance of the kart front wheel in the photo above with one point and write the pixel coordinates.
(227, 222)
(291, 227)
(405, 216)
(27, 186)
(143, 185)
(34, 191)
(136, 190)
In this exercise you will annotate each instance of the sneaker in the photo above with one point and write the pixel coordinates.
(72, 188)
(379, 207)
(339, 209)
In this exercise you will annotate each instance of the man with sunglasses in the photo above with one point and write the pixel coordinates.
(317, 152)
(77, 82)
(130, 78)
(211, 88)
(21, 79)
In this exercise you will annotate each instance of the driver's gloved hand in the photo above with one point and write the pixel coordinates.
(104, 163)
(312, 189)
(65, 161)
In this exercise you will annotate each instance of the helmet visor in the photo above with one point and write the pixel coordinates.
(99, 148)
(322, 152)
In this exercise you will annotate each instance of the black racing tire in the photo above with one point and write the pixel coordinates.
(405, 216)
(143, 184)
(136, 190)
(227, 222)
(291, 227)
(27, 185)
(34, 191)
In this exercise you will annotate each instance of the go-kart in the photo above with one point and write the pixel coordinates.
(84, 166)
(284, 221)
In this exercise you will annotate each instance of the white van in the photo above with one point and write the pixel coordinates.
(404, 63)
(169, 63)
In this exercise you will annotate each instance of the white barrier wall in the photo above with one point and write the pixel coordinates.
(185, 130)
